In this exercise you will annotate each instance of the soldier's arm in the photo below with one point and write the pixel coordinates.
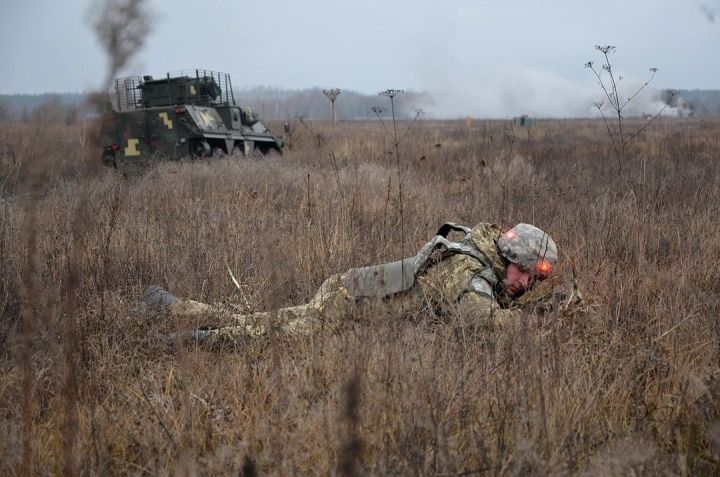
(482, 309)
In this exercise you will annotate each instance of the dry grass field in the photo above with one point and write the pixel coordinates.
(625, 383)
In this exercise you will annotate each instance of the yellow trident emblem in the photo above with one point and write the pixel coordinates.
(131, 149)
(166, 121)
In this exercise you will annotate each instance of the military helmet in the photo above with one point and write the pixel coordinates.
(530, 248)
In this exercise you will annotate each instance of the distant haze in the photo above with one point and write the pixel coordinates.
(483, 58)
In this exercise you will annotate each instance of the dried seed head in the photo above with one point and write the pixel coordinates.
(605, 49)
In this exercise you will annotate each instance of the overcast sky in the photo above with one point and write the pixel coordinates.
(486, 57)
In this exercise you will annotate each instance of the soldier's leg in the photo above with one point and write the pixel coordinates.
(157, 296)
(326, 311)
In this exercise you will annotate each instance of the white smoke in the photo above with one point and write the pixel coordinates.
(512, 90)
(516, 89)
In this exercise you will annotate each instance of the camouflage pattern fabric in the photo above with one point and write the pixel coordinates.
(325, 311)
(471, 284)
(467, 286)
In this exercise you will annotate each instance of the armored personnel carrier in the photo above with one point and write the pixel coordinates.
(185, 114)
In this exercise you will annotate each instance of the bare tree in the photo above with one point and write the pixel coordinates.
(332, 95)
(619, 136)
(4, 111)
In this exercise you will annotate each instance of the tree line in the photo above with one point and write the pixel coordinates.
(281, 104)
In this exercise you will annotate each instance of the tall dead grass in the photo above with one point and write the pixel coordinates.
(627, 382)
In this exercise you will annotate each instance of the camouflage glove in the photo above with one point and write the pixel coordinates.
(537, 294)
(542, 299)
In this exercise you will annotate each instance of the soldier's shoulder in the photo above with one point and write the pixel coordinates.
(485, 236)
(486, 230)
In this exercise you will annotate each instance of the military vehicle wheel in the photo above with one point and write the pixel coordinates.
(272, 153)
(248, 150)
(111, 159)
(200, 149)
(267, 149)
(256, 153)
(218, 152)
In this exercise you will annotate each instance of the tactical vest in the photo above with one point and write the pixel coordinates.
(396, 277)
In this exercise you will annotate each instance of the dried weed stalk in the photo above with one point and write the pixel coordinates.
(620, 138)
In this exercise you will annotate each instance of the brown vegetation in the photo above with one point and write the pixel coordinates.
(626, 382)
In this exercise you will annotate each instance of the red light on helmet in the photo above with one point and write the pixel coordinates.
(115, 147)
(544, 269)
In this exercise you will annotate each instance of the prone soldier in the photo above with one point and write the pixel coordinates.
(481, 276)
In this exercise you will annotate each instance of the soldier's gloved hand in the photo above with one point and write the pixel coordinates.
(547, 304)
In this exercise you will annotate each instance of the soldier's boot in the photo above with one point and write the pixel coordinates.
(157, 296)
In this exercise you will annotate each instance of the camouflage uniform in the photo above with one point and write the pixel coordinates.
(466, 277)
